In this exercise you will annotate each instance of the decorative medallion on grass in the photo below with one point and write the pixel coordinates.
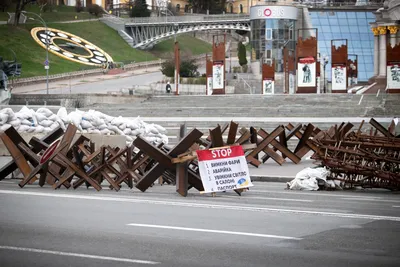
(70, 47)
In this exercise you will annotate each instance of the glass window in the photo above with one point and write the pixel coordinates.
(335, 29)
(333, 21)
(344, 29)
(352, 21)
(341, 14)
(268, 35)
(351, 15)
(323, 22)
(360, 15)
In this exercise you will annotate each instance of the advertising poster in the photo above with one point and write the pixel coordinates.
(209, 85)
(393, 77)
(268, 86)
(306, 72)
(218, 75)
(223, 169)
(339, 78)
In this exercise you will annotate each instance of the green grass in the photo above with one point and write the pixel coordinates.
(188, 45)
(32, 56)
(58, 13)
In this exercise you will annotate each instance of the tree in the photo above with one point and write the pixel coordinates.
(214, 6)
(20, 6)
(5, 4)
(140, 9)
(188, 68)
(242, 54)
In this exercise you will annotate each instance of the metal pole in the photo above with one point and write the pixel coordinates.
(324, 77)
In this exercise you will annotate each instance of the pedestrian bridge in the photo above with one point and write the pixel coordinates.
(146, 32)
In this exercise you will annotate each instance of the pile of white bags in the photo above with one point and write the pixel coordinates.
(44, 120)
(307, 179)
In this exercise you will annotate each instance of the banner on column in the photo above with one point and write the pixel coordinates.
(223, 169)
(209, 85)
(306, 71)
(318, 85)
(393, 76)
(339, 77)
(268, 86)
(218, 75)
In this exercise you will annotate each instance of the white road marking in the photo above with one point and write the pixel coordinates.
(396, 206)
(96, 257)
(311, 193)
(272, 198)
(205, 205)
(371, 199)
(211, 231)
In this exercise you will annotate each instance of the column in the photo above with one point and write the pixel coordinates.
(382, 50)
(376, 51)
(393, 31)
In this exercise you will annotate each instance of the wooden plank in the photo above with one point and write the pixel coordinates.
(153, 152)
(216, 137)
(156, 171)
(303, 140)
(233, 127)
(182, 179)
(267, 141)
(16, 154)
(379, 127)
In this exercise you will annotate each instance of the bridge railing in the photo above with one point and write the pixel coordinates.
(188, 18)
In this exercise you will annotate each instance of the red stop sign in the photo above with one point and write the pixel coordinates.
(49, 151)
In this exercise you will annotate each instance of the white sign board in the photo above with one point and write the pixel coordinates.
(273, 12)
(223, 169)
(306, 74)
(393, 77)
(209, 85)
(268, 86)
(218, 76)
(291, 83)
(339, 78)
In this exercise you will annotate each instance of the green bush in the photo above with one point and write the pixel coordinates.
(78, 6)
(95, 10)
(188, 68)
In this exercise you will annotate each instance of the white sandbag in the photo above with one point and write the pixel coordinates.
(4, 127)
(133, 124)
(105, 131)
(54, 125)
(80, 112)
(127, 131)
(24, 113)
(129, 139)
(118, 121)
(46, 123)
(9, 112)
(40, 117)
(122, 126)
(75, 118)
(53, 117)
(152, 129)
(3, 118)
(63, 115)
(39, 129)
(137, 132)
(115, 129)
(23, 128)
(160, 128)
(47, 129)
(86, 124)
(61, 124)
(102, 126)
(45, 111)
(95, 131)
(26, 122)
(31, 129)
(84, 131)
(307, 179)
(15, 123)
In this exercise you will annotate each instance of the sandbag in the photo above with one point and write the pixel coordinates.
(40, 117)
(63, 115)
(3, 118)
(39, 129)
(75, 118)
(102, 126)
(31, 129)
(5, 127)
(9, 112)
(23, 128)
(105, 131)
(53, 117)
(160, 128)
(127, 131)
(86, 124)
(45, 111)
(118, 121)
(27, 122)
(47, 129)
(46, 123)
(122, 126)
(15, 123)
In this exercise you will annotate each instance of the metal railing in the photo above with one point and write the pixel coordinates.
(190, 18)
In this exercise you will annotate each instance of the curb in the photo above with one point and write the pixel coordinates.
(272, 178)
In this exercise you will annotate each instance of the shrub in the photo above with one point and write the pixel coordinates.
(95, 10)
(188, 68)
(78, 6)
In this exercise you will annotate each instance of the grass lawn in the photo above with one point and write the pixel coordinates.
(189, 46)
(32, 56)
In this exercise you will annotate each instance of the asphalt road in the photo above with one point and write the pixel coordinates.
(266, 226)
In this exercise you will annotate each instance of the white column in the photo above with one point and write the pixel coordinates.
(393, 40)
(376, 55)
(382, 51)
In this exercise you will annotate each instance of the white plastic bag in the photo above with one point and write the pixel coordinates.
(45, 111)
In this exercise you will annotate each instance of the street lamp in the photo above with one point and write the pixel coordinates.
(325, 61)
(47, 65)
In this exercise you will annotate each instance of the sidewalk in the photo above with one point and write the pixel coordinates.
(81, 80)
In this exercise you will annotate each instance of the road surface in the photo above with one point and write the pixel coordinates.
(267, 226)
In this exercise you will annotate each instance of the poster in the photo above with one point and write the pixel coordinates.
(306, 72)
(268, 86)
(218, 75)
(339, 78)
(319, 85)
(291, 83)
(393, 77)
(223, 169)
(209, 85)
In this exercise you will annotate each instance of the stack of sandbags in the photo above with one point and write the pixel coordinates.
(44, 120)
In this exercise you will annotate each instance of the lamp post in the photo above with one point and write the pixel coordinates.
(47, 65)
(325, 61)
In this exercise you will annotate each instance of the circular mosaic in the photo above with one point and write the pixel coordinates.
(70, 47)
